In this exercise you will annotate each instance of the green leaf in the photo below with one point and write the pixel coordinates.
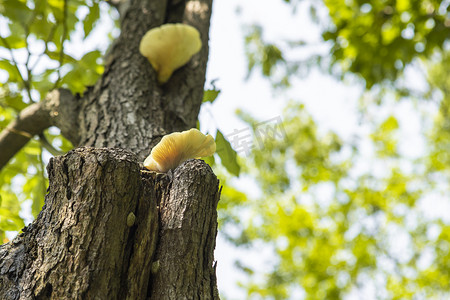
(9, 208)
(227, 155)
(385, 137)
(10, 220)
(84, 73)
(13, 42)
(210, 95)
(209, 160)
(56, 56)
(91, 19)
(15, 10)
(13, 74)
(14, 101)
(389, 124)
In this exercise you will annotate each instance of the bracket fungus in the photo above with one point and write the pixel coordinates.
(177, 147)
(170, 47)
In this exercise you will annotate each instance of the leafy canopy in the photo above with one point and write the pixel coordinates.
(34, 59)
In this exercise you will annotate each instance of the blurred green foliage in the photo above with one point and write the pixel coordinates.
(34, 59)
(337, 225)
(376, 40)
(334, 226)
(262, 54)
(385, 139)
(439, 77)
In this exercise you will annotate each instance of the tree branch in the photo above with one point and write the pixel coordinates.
(49, 147)
(59, 109)
(31, 121)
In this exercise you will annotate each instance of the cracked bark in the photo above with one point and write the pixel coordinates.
(188, 273)
(80, 246)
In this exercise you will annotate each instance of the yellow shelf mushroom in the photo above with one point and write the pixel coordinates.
(170, 47)
(177, 147)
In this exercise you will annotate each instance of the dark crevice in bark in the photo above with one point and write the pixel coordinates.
(175, 11)
(187, 235)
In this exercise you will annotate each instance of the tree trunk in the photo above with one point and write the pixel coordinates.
(127, 108)
(109, 229)
(97, 234)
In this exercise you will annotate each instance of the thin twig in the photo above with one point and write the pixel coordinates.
(42, 173)
(49, 147)
(26, 28)
(25, 83)
(19, 132)
(49, 38)
(63, 38)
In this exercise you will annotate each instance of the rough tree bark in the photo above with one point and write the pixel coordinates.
(110, 230)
